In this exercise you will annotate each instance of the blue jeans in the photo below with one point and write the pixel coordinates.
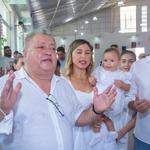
(139, 145)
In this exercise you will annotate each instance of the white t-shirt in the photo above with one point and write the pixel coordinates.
(141, 72)
(37, 122)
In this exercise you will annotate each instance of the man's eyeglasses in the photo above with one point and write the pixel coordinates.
(53, 100)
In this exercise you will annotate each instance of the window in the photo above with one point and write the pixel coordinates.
(128, 19)
(143, 19)
(5, 16)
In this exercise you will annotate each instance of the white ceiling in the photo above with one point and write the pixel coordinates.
(47, 14)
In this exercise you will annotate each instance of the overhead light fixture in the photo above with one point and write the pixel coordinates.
(75, 30)
(86, 21)
(97, 39)
(95, 18)
(100, 6)
(68, 19)
(62, 40)
(81, 33)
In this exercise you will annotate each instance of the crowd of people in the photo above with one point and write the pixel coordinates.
(10, 61)
(51, 99)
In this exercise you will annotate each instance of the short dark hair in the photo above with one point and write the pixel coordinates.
(5, 47)
(114, 46)
(61, 49)
(16, 52)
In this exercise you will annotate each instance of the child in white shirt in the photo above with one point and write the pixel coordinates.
(107, 74)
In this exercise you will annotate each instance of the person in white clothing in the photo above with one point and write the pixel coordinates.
(126, 61)
(78, 67)
(107, 74)
(38, 110)
(140, 71)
